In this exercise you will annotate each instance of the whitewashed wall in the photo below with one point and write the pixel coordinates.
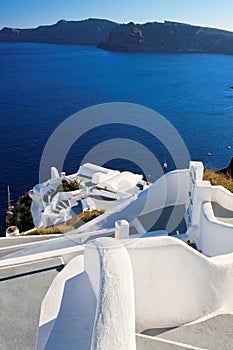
(169, 190)
(175, 284)
(215, 237)
(151, 283)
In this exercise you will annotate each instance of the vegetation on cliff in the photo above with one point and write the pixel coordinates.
(217, 179)
(223, 177)
(70, 225)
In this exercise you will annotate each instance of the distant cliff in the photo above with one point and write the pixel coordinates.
(107, 35)
(86, 32)
(168, 37)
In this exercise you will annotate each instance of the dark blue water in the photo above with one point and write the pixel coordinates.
(41, 85)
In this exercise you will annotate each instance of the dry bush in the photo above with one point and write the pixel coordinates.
(70, 225)
(217, 179)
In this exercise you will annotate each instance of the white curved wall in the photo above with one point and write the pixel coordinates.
(167, 282)
(175, 284)
(108, 266)
(223, 197)
(215, 237)
(91, 307)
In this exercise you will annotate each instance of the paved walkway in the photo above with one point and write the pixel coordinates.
(222, 214)
(215, 333)
(22, 289)
(170, 219)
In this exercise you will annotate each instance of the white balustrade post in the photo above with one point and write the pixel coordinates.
(121, 229)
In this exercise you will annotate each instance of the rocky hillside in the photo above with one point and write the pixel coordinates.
(21, 215)
(87, 32)
(168, 37)
(107, 35)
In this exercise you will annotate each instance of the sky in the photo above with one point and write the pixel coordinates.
(32, 13)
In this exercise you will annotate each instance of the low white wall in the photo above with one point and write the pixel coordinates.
(114, 325)
(169, 190)
(174, 284)
(108, 267)
(61, 246)
(31, 256)
(215, 237)
(36, 211)
(223, 197)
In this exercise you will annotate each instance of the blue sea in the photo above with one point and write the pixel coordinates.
(41, 85)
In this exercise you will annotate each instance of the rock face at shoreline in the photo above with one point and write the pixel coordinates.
(168, 37)
(87, 32)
